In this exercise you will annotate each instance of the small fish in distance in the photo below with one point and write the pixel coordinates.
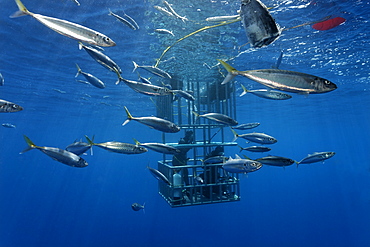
(137, 207)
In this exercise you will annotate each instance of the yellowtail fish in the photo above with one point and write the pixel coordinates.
(153, 122)
(276, 161)
(131, 25)
(8, 125)
(79, 147)
(316, 157)
(239, 165)
(223, 18)
(90, 78)
(163, 31)
(101, 58)
(119, 147)
(256, 149)
(246, 126)
(267, 94)
(171, 10)
(6, 106)
(159, 147)
(284, 80)
(60, 155)
(261, 138)
(66, 28)
(218, 117)
(154, 70)
(145, 88)
(158, 175)
(163, 10)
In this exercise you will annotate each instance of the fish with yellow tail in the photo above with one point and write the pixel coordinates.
(66, 28)
(283, 80)
(153, 122)
(60, 155)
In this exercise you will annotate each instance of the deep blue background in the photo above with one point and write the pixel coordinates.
(45, 203)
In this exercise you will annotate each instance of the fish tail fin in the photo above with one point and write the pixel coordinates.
(78, 70)
(245, 91)
(297, 163)
(197, 116)
(135, 66)
(80, 46)
(241, 149)
(22, 10)
(30, 144)
(129, 116)
(91, 142)
(137, 142)
(110, 12)
(232, 72)
(235, 135)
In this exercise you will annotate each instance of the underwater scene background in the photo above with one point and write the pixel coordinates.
(46, 203)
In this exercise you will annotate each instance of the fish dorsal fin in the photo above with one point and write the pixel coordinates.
(237, 157)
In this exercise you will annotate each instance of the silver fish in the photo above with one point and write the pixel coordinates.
(261, 29)
(158, 175)
(316, 157)
(163, 10)
(223, 18)
(170, 9)
(79, 148)
(123, 20)
(218, 117)
(246, 126)
(276, 161)
(159, 147)
(284, 80)
(57, 154)
(101, 58)
(267, 94)
(154, 70)
(90, 78)
(137, 207)
(184, 94)
(119, 147)
(239, 165)
(147, 89)
(6, 106)
(1, 80)
(66, 28)
(8, 125)
(163, 31)
(256, 149)
(153, 122)
(256, 137)
(77, 2)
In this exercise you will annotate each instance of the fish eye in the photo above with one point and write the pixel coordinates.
(271, 139)
(106, 39)
(326, 82)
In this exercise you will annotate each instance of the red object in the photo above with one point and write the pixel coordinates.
(328, 24)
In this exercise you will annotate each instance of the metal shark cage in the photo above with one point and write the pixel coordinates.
(192, 181)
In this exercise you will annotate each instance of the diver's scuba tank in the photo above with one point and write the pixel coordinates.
(177, 191)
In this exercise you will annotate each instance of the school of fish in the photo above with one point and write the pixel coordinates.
(261, 30)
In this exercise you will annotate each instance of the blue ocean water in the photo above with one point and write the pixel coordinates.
(46, 203)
